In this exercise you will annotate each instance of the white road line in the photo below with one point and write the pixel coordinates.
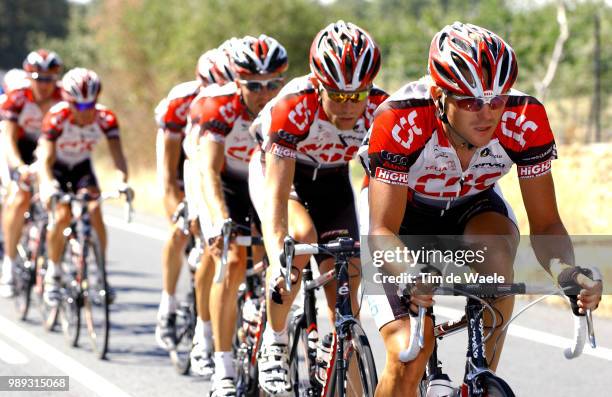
(533, 335)
(86, 377)
(10, 355)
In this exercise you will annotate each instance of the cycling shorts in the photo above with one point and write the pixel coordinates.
(79, 176)
(423, 219)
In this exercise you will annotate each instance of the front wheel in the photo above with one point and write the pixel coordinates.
(185, 330)
(496, 387)
(95, 299)
(360, 377)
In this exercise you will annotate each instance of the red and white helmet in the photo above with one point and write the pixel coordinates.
(42, 61)
(344, 57)
(214, 67)
(260, 55)
(469, 60)
(80, 85)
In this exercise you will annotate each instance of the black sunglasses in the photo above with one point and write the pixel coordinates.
(258, 85)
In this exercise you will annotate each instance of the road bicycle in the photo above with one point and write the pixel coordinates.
(479, 380)
(348, 345)
(83, 282)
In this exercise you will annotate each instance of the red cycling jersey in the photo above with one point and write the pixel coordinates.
(172, 112)
(294, 125)
(19, 106)
(219, 113)
(74, 143)
(408, 146)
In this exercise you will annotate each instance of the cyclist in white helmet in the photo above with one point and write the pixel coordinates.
(173, 151)
(70, 131)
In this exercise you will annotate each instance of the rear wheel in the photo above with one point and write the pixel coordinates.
(301, 357)
(95, 299)
(25, 272)
(185, 330)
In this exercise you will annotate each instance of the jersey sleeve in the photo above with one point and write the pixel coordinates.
(397, 137)
(527, 137)
(53, 125)
(289, 122)
(172, 116)
(108, 123)
(12, 105)
(214, 116)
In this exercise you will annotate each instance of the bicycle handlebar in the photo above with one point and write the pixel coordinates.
(227, 230)
(583, 324)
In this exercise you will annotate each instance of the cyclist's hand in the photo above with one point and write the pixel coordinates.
(47, 190)
(590, 294)
(420, 295)
(216, 246)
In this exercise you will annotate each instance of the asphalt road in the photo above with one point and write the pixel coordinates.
(532, 362)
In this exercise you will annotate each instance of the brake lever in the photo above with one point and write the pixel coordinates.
(288, 252)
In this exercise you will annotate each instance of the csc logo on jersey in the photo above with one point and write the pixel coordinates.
(412, 130)
(300, 114)
(227, 112)
(517, 129)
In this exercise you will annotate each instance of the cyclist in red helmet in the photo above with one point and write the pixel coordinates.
(70, 131)
(299, 180)
(22, 112)
(437, 148)
(219, 120)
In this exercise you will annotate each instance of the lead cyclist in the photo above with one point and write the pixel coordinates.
(437, 148)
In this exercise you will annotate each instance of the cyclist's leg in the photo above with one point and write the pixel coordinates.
(302, 229)
(499, 258)
(14, 208)
(402, 378)
(223, 308)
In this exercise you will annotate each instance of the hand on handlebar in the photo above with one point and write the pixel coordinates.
(419, 295)
(590, 294)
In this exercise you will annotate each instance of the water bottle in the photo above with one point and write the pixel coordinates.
(324, 357)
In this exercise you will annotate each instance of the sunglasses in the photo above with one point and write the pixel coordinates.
(84, 106)
(342, 97)
(474, 104)
(43, 79)
(258, 85)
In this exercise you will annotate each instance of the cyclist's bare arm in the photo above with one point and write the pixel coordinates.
(212, 159)
(116, 150)
(10, 138)
(172, 154)
(541, 206)
(279, 177)
(387, 204)
(47, 157)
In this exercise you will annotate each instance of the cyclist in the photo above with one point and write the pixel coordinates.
(70, 131)
(299, 181)
(220, 117)
(22, 113)
(171, 117)
(437, 148)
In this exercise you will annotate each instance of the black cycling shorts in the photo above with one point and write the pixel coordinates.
(330, 201)
(79, 176)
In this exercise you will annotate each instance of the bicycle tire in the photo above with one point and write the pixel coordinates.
(359, 346)
(185, 330)
(95, 298)
(301, 381)
(70, 316)
(25, 273)
(247, 382)
(496, 387)
(49, 314)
